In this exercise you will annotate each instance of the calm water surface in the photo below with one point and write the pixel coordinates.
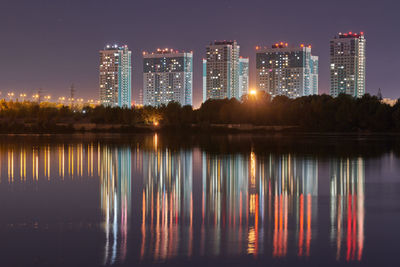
(87, 200)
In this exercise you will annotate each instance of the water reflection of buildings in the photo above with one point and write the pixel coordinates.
(347, 207)
(254, 202)
(23, 163)
(248, 204)
(115, 182)
(167, 204)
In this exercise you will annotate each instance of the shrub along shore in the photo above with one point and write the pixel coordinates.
(320, 113)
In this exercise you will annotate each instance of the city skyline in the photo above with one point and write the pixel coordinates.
(280, 57)
(63, 31)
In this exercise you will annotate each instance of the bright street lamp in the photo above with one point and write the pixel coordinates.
(253, 92)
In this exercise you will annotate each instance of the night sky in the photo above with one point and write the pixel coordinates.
(51, 44)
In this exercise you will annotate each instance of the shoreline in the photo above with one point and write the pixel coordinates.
(92, 128)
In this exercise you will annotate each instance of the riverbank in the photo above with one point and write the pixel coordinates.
(137, 128)
(73, 128)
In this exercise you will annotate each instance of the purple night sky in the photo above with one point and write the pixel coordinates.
(50, 44)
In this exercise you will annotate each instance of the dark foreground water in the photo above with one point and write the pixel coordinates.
(236, 200)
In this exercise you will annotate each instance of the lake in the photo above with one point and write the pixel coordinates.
(164, 199)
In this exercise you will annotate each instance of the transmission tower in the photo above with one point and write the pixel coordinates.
(72, 91)
(380, 97)
(39, 95)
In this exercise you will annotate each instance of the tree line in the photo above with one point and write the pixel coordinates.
(317, 113)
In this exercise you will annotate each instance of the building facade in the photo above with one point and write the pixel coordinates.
(243, 76)
(167, 76)
(115, 76)
(347, 54)
(204, 80)
(289, 71)
(221, 70)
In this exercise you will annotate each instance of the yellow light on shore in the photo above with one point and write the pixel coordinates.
(253, 92)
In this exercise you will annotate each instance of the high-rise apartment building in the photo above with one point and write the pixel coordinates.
(347, 53)
(167, 76)
(289, 71)
(115, 76)
(204, 80)
(243, 76)
(222, 70)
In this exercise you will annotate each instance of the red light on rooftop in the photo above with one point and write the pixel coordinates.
(362, 33)
(257, 47)
(350, 33)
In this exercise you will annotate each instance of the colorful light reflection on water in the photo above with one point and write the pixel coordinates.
(157, 204)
